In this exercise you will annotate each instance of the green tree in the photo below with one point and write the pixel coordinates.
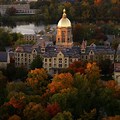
(106, 68)
(10, 71)
(11, 11)
(37, 63)
(63, 116)
(3, 82)
(5, 38)
(21, 73)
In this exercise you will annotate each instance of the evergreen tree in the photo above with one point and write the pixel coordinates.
(37, 63)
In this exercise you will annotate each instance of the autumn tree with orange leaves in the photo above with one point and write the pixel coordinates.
(60, 81)
(76, 67)
(38, 80)
(53, 109)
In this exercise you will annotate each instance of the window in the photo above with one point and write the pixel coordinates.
(65, 65)
(58, 39)
(45, 64)
(60, 60)
(50, 65)
(65, 60)
(68, 40)
(63, 39)
(82, 56)
(63, 36)
(60, 65)
(83, 51)
(54, 65)
(45, 60)
(49, 59)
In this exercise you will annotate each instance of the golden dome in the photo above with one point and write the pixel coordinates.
(64, 21)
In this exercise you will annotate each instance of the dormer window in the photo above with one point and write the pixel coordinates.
(34, 51)
(42, 50)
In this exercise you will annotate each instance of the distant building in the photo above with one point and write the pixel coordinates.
(31, 37)
(20, 9)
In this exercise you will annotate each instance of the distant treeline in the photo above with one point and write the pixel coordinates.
(77, 11)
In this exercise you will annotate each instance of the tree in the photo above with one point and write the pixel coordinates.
(53, 109)
(11, 71)
(38, 80)
(115, 44)
(3, 82)
(5, 38)
(106, 68)
(16, 87)
(63, 116)
(35, 111)
(60, 81)
(37, 63)
(14, 117)
(75, 67)
(66, 98)
(21, 73)
(11, 11)
(89, 116)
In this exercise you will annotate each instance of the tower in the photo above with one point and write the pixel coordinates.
(64, 32)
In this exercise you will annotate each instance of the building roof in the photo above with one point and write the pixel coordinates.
(3, 57)
(99, 50)
(27, 48)
(53, 50)
(64, 21)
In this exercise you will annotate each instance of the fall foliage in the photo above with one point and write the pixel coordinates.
(60, 81)
(53, 109)
(82, 96)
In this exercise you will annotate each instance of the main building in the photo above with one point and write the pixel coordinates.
(63, 53)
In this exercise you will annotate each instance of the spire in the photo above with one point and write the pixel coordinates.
(64, 13)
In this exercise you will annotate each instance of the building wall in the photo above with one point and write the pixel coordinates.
(64, 37)
(54, 64)
(117, 77)
(30, 37)
(24, 59)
